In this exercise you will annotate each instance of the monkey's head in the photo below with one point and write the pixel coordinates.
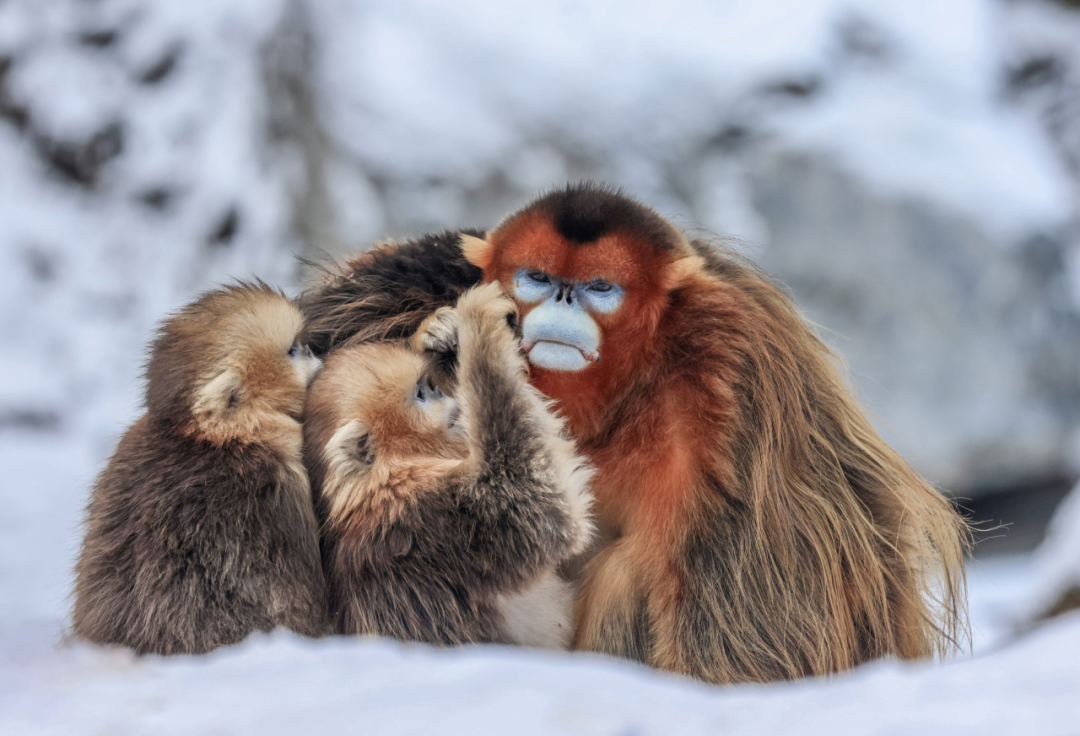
(225, 364)
(377, 403)
(593, 272)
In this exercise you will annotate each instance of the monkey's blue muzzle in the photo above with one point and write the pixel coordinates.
(560, 336)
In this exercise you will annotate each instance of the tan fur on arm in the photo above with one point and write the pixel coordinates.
(482, 314)
(438, 333)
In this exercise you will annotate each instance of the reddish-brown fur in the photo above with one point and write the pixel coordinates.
(630, 335)
(761, 528)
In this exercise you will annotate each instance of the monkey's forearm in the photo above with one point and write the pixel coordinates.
(504, 417)
(511, 494)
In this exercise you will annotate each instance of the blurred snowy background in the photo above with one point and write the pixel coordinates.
(909, 168)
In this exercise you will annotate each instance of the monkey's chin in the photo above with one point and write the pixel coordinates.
(557, 356)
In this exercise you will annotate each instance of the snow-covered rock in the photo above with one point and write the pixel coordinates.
(909, 180)
(963, 342)
(136, 171)
(1056, 587)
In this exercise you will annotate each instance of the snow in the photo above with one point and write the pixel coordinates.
(1057, 561)
(449, 90)
(281, 683)
(98, 264)
(422, 102)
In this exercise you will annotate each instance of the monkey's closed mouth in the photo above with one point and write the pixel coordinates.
(592, 356)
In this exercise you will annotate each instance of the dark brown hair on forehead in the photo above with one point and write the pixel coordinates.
(583, 213)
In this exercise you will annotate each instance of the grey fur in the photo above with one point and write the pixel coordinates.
(193, 544)
(430, 564)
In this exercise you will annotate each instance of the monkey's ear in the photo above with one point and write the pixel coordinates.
(679, 272)
(362, 450)
(477, 251)
(349, 445)
(222, 395)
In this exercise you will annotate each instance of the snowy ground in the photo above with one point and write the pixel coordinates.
(282, 683)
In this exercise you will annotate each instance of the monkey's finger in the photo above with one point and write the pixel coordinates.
(442, 331)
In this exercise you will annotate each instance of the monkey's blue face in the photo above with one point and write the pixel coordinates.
(559, 333)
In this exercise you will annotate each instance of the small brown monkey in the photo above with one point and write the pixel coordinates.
(201, 528)
(444, 517)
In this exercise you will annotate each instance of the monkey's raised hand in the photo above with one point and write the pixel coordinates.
(486, 312)
(438, 333)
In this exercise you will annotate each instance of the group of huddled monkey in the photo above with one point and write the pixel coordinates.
(582, 429)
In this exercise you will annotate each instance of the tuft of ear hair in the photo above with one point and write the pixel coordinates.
(220, 397)
(681, 270)
(363, 451)
(477, 250)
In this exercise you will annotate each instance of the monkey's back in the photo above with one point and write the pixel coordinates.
(190, 546)
(386, 293)
(384, 580)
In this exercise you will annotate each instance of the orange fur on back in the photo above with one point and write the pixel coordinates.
(761, 528)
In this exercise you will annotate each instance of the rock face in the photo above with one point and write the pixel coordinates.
(910, 186)
(137, 170)
(963, 345)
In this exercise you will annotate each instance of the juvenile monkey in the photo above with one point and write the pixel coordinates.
(444, 517)
(201, 528)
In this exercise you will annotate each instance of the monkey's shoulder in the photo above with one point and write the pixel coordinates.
(162, 472)
(389, 290)
(433, 263)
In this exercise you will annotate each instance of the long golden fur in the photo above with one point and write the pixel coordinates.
(756, 525)
(762, 528)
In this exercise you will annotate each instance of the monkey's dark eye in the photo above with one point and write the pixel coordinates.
(295, 349)
(421, 392)
(600, 286)
(539, 277)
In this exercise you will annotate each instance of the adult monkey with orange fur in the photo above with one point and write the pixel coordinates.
(760, 529)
